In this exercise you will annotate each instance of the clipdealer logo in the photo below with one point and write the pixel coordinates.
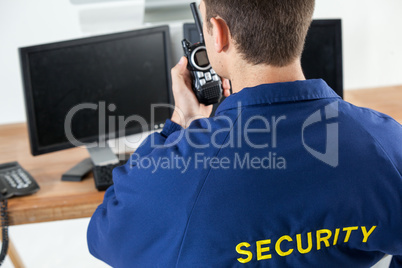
(331, 155)
(323, 115)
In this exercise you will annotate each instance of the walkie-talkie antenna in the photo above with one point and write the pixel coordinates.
(197, 20)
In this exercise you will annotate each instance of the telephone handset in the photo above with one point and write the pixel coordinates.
(207, 85)
(14, 181)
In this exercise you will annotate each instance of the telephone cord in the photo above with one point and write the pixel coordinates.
(4, 227)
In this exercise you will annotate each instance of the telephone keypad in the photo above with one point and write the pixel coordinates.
(18, 179)
(15, 181)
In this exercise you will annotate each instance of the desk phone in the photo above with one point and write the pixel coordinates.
(15, 181)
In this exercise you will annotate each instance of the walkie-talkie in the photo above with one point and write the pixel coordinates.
(207, 85)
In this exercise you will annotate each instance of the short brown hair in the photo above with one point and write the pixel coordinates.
(269, 32)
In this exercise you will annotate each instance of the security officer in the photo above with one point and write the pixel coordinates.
(286, 174)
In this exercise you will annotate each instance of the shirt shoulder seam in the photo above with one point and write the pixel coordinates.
(374, 138)
(199, 194)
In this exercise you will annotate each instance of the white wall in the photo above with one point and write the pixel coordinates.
(372, 51)
(23, 23)
(26, 23)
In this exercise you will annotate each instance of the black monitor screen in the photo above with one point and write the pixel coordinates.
(190, 33)
(322, 55)
(100, 86)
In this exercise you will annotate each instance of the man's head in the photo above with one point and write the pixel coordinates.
(270, 32)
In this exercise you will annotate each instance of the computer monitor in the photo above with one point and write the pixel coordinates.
(322, 55)
(190, 32)
(92, 89)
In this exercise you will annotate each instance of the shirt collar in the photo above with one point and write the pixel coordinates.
(279, 92)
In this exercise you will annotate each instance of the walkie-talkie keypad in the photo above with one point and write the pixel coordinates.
(207, 76)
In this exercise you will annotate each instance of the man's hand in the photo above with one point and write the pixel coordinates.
(187, 107)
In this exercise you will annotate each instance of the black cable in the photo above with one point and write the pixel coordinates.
(4, 229)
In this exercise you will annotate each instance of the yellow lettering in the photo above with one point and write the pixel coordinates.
(367, 234)
(278, 246)
(323, 239)
(336, 236)
(300, 246)
(322, 236)
(260, 250)
(244, 252)
(349, 231)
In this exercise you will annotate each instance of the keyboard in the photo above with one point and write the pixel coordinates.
(103, 175)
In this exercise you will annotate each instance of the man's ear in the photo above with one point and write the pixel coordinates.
(221, 34)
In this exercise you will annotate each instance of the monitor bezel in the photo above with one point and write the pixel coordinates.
(336, 23)
(187, 28)
(24, 53)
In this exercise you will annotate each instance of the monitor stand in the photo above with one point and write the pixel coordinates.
(100, 156)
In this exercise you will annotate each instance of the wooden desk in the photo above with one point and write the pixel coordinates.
(58, 200)
(387, 100)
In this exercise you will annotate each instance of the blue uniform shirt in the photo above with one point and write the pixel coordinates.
(285, 175)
